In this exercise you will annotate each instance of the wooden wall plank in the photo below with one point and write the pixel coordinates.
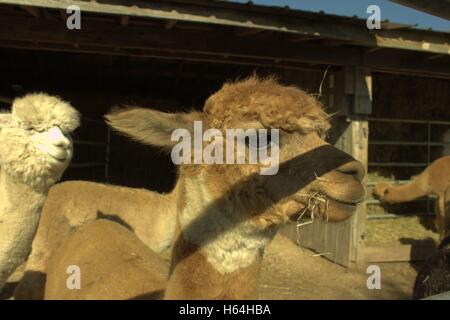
(104, 38)
(398, 253)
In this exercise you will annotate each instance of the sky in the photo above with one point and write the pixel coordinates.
(389, 10)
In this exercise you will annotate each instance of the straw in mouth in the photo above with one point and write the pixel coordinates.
(311, 210)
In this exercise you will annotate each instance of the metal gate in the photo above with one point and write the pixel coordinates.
(429, 143)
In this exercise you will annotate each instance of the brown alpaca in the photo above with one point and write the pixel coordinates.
(435, 179)
(107, 271)
(226, 213)
(72, 204)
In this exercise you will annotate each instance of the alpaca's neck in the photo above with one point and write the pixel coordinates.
(194, 277)
(216, 255)
(404, 193)
(20, 208)
(163, 228)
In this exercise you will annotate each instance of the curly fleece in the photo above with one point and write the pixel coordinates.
(19, 157)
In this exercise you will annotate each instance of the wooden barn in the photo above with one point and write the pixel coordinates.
(389, 90)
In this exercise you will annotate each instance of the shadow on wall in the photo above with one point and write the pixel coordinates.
(421, 249)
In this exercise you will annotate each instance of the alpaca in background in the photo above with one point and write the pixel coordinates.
(435, 179)
(34, 152)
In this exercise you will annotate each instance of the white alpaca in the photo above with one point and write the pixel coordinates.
(34, 152)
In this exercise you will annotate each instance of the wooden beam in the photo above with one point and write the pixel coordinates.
(359, 139)
(63, 14)
(295, 22)
(349, 94)
(249, 32)
(170, 24)
(124, 21)
(392, 62)
(302, 39)
(34, 11)
(46, 14)
(102, 37)
(161, 55)
(440, 8)
(362, 98)
(395, 40)
(372, 50)
(436, 56)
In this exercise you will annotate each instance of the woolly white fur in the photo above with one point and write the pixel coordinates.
(33, 155)
(20, 157)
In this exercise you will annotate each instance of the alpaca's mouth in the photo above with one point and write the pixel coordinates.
(344, 202)
(59, 156)
(325, 207)
(323, 197)
(340, 209)
(349, 205)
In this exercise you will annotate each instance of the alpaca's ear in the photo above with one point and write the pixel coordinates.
(4, 119)
(150, 126)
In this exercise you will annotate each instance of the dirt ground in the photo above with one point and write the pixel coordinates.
(400, 231)
(293, 273)
(290, 273)
(409, 226)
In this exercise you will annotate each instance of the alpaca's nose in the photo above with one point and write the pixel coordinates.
(58, 138)
(353, 168)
